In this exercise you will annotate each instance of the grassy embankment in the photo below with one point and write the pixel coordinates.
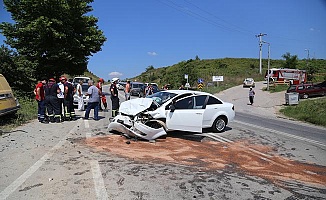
(27, 112)
(309, 110)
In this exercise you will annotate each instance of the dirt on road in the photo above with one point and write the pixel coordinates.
(243, 156)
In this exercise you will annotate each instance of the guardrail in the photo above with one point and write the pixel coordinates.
(282, 82)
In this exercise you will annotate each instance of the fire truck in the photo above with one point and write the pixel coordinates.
(294, 76)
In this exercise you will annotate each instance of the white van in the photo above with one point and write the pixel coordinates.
(8, 103)
(76, 79)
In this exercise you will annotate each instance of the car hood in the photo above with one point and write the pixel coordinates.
(135, 106)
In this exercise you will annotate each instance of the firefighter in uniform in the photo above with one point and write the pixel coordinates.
(51, 90)
(68, 101)
(114, 96)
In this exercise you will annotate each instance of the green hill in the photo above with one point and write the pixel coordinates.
(233, 70)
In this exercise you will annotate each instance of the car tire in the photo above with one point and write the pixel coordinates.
(305, 96)
(219, 124)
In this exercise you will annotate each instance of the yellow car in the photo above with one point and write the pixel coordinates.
(8, 103)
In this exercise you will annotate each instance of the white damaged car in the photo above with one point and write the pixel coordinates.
(183, 110)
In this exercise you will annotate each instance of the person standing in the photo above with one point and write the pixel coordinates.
(61, 95)
(93, 101)
(80, 95)
(114, 96)
(51, 90)
(127, 90)
(69, 101)
(251, 95)
(149, 90)
(40, 98)
(99, 86)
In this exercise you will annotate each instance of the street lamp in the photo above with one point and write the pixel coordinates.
(307, 56)
(269, 50)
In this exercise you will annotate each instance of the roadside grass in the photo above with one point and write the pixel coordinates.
(310, 110)
(276, 88)
(216, 89)
(27, 112)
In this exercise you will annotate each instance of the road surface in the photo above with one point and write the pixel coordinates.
(259, 156)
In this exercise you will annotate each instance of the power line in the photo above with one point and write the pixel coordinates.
(238, 28)
(198, 16)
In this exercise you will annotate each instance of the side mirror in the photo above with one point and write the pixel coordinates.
(172, 107)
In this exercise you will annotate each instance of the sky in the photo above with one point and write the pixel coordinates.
(160, 33)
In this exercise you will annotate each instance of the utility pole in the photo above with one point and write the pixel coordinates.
(268, 65)
(307, 57)
(260, 50)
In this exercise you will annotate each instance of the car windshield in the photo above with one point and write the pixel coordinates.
(162, 97)
(85, 88)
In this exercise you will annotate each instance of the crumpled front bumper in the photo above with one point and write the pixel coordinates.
(137, 129)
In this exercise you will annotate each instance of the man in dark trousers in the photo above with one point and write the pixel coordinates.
(51, 90)
(114, 96)
(69, 101)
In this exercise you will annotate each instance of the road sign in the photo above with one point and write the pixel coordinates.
(200, 80)
(187, 85)
(217, 78)
(200, 86)
(186, 76)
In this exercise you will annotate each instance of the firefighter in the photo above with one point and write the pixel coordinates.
(51, 90)
(114, 96)
(69, 110)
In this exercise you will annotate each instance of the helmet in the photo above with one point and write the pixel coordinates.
(114, 80)
(101, 80)
(52, 79)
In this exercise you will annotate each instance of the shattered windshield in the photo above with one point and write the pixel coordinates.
(162, 97)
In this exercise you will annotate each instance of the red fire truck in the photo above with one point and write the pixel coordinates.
(295, 76)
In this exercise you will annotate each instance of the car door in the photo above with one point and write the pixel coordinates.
(186, 116)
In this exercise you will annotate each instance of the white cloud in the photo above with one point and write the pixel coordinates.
(115, 74)
(152, 53)
(311, 29)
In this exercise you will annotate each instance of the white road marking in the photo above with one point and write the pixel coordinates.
(98, 181)
(213, 137)
(20, 180)
(88, 135)
(220, 137)
(86, 123)
(282, 133)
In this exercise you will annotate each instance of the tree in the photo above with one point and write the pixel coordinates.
(290, 61)
(55, 35)
(149, 68)
(17, 70)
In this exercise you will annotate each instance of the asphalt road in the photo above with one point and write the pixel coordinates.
(256, 157)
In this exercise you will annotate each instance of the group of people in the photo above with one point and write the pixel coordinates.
(96, 96)
(55, 99)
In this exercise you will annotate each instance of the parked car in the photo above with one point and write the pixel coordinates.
(85, 87)
(185, 110)
(307, 90)
(8, 103)
(135, 88)
(249, 82)
(121, 85)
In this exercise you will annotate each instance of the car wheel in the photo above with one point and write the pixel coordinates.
(305, 96)
(219, 124)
